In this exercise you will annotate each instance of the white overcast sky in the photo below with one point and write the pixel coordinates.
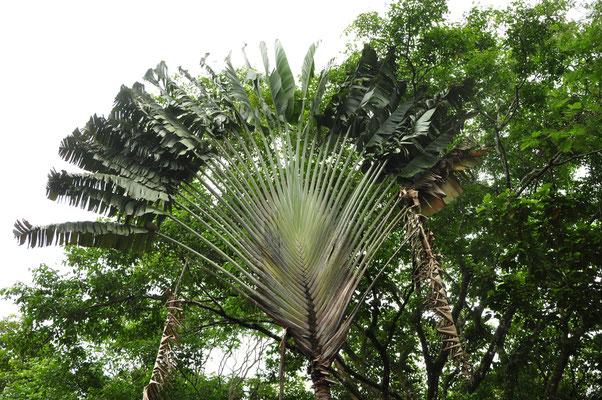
(62, 61)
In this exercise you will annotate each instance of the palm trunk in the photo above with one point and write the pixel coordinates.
(320, 376)
(428, 268)
(321, 388)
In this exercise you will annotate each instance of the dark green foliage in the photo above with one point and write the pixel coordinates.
(135, 161)
(522, 244)
(94, 332)
(106, 235)
(409, 134)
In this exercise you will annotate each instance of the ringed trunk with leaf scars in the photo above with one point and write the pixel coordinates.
(164, 362)
(427, 264)
(322, 389)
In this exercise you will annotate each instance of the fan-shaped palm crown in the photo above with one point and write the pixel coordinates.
(296, 212)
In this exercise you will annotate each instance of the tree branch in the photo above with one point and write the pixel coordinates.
(402, 306)
(382, 350)
(577, 156)
(355, 393)
(127, 298)
(535, 174)
(501, 150)
(363, 378)
(498, 340)
(249, 325)
(569, 346)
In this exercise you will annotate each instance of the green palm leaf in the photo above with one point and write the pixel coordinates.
(89, 234)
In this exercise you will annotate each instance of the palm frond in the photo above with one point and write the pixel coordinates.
(299, 217)
(409, 135)
(89, 234)
(300, 232)
(440, 185)
(135, 161)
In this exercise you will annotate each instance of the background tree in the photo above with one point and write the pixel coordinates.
(525, 60)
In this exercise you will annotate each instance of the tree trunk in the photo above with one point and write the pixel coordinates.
(321, 389)
(569, 345)
(561, 362)
(511, 376)
(320, 376)
(433, 385)
(497, 341)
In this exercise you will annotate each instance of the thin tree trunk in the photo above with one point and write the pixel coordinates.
(511, 377)
(433, 385)
(497, 341)
(569, 347)
(563, 359)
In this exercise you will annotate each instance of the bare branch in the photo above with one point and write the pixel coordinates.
(535, 174)
(498, 340)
